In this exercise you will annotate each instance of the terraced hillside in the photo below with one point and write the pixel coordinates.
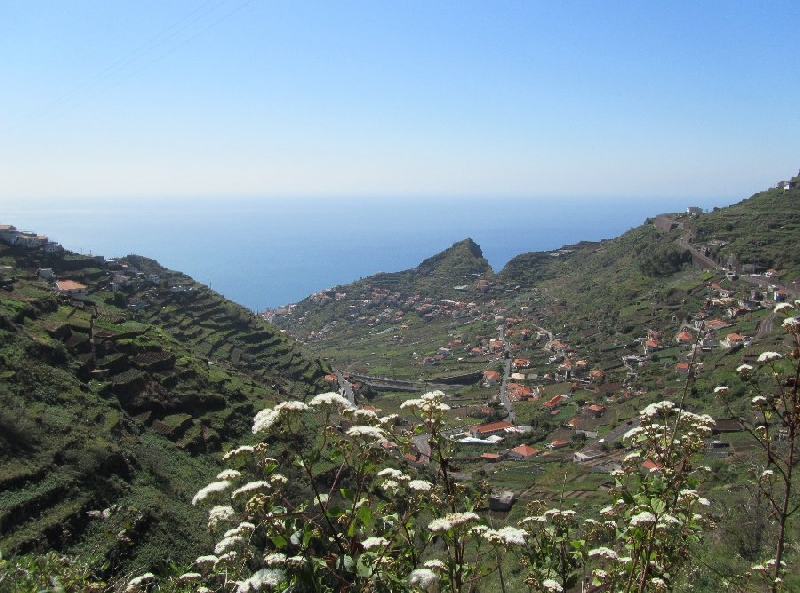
(115, 378)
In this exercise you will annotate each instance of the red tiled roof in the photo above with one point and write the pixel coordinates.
(525, 451)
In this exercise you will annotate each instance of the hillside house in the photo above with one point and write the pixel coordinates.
(555, 401)
(485, 430)
(8, 233)
(45, 273)
(491, 377)
(597, 376)
(694, 210)
(74, 289)
(594, 410)
(733, 340)
(523, 452)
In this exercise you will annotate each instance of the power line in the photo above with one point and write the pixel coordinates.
(115, 74)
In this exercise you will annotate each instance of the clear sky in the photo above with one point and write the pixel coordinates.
(532, 98)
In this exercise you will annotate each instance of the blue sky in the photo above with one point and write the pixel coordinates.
(536, 99)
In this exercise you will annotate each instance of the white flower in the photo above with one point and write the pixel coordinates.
(374, 542)
(242, 529)
(226, 543)
(657, 408)
(744, 368)
(390, 484)
(440, 525)
(391, 472)
(758, 401)
(249, 487)
(264, 420)
(636, 430)
(420, 485)
(330, 399)
(782, 306)
(365, 414)
(219, 513)
(507, 535)
(603, 552)
(411, 403)
(766, 474)
(137, 582)
(269, 578)
(190, 576)
(791, 323)
(212, 487)
(437, 564)
(645, 517)
(721, 389)
(370, 432)
(275, 559)
(228, 474)
(278, 479)
(535, 519)
(768, 356)
(459, 518)
(238, 451)
(227, 557)
(704, 501)
(422, 578)
(209, 559)
(551, 585)
(291, 406)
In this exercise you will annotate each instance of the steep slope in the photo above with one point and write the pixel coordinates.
(116, 379)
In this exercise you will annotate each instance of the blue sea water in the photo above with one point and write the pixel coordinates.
(264, 253)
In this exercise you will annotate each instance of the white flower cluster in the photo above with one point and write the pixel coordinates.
(250, 487)
(228, 542)
(551, 585)
(140, 581)
(266, 418)
(211, 488)
(452, 520)
(768, 356)
(330, 399)
(422, 578)
(375, 542)
(372, 433)
(219, 513)
(266, 578)
(506, 535)
(427, 404)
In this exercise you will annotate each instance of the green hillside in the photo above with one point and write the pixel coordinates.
(111, 401)
(116, 401)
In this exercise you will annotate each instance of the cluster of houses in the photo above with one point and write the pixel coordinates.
(120, 275)
(9, 234)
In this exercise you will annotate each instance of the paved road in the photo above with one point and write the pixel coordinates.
(506, 376)
(345, 388)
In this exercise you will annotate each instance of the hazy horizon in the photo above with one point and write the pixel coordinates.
(264, 254)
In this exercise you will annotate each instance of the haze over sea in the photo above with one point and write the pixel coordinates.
(265, 253)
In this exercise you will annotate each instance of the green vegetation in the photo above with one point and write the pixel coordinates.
(114, 409)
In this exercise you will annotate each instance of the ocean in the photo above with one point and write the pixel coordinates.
(265, 253)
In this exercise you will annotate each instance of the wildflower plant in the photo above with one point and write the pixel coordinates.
(774, 384)
(367, 525)
(657, 513)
